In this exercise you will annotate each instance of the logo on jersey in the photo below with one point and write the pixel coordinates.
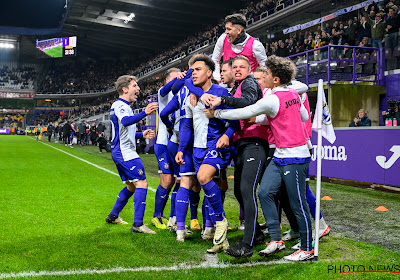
(166, 165)
(161, 159)
(213, 154)
(140, 171)
(133, 167)
(292, 102)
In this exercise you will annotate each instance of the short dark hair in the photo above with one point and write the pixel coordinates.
(236, 19)
(206, 59)
(229, 62)
(282, 68)
(242, 57)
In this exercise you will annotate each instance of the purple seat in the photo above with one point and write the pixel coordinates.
(343, 64)
(388, 53)
(374, 57)
(396, 51)
(364, 57)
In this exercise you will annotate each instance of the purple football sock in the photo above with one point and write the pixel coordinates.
(173, 200)
(213, 194)
(122, 200)
(181, 206)
(139, 201)
(161, 195)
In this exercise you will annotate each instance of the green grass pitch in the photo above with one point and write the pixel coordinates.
(53, 208)
(55, 52)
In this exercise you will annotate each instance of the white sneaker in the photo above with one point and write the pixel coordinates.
(181, 235)
(300, 256)
(272, 247)
(221, 229)
(208, 233)
(290, 235)
(324, 232)
(298, 245)
(142, 229)
(171, 225)
(241, 225)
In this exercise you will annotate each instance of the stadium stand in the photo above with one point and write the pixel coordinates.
(14, 76)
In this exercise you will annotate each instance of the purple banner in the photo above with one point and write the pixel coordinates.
(366, 155)
(4, 131)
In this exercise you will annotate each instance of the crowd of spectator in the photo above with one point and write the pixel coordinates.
(357, 30)
(10, 120)
(83, 76)
(19, 77)
(253, 10)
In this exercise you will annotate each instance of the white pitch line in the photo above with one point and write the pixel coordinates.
(88, 162)
(183, 266)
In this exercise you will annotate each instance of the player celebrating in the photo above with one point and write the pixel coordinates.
(123, 152)
(235, 41)
(211, 139)
(165, 162)
(285, 113)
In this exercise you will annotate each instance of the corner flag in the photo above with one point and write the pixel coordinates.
(327, 128)
(323, 125)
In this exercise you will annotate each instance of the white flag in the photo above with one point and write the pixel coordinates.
(327, 128)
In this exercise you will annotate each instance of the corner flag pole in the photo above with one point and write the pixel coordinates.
(319, 113)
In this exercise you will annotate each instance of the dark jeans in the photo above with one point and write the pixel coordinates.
(249, 167)
(294, 177)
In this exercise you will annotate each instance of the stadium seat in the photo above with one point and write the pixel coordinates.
(390, 61)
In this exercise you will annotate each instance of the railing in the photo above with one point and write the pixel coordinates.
(328, 63)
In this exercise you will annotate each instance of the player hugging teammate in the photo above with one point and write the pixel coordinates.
(259, 124)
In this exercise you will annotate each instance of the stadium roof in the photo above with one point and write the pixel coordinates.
(108, 28)
(104, 29)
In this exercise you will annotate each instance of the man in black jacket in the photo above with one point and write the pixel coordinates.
(93, 134)
(392, 30)
(361, 120)
(50, 130)
(66, 132)
(251, 147)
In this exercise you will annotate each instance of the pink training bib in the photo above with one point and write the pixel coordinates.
(247, 52)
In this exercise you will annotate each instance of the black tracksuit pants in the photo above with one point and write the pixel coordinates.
(249, 167)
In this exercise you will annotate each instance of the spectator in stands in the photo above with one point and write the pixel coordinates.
(378, 27)
(328, 28)
(392, 29)
(363, 43)
(282, 51)
(361, 120)
(351, 31)
(364, 29)
(347, 52)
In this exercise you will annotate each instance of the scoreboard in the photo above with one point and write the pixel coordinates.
(69, 46)
(56, 47)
